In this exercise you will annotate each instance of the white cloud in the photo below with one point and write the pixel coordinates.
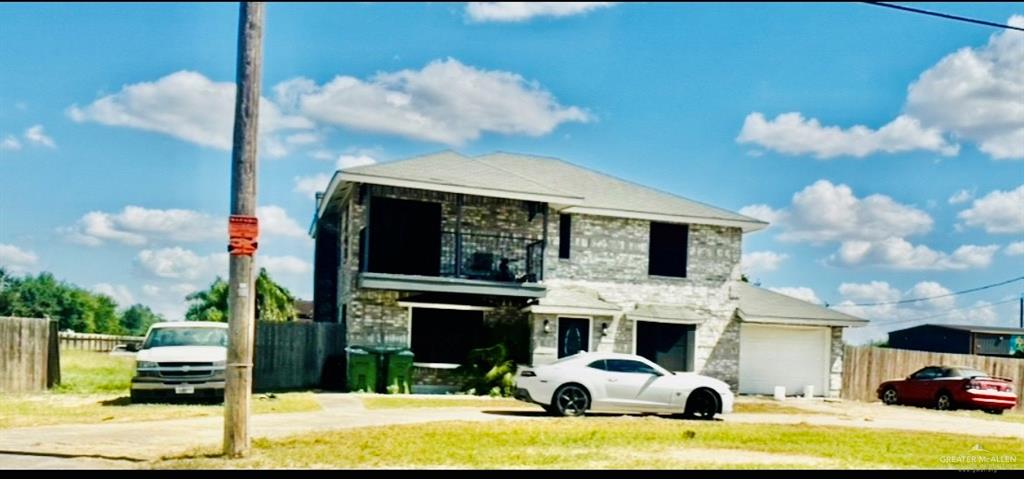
(185, 105)
(10, 143)
(961, 196)
(15, 259)
(445, 102)
(304, 138)
(311, 185)
(791, 133)
(889, 317)
(119, 293)
(1014, 249)
(168, 300)
(762, 261)
(900, 254)
(799, 292)
(972, 94)
(178, 263)
(321, 155)
(976, 93)
(824, 212)
(761, 212)
(284, 265)
(137, 226)
(352, 161)
(523, 11)
(274, 220)
(35, 135)
(997, 212)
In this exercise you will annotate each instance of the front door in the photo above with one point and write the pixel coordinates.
(573, 336)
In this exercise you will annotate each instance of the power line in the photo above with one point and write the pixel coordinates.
(948, 312)
(955, 293)
(945, 15)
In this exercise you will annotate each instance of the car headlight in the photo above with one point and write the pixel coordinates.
(220, 364)
(146, 365)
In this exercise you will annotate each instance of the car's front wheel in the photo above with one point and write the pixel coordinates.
(702, 404)
(944, 402)
(571, 400)
(890, 397)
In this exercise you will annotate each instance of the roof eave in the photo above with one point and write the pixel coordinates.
(746, 226)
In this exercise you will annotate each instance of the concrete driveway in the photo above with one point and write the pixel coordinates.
(126, 445)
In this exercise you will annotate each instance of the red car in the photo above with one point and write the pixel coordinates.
(950, 387)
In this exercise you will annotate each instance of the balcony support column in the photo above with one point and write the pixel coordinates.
(458, 235)
(544, 245)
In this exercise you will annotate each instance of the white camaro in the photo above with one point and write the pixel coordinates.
(620, 383)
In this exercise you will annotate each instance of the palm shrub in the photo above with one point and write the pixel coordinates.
(489, 371)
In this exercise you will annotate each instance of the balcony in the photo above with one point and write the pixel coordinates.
(476, 263)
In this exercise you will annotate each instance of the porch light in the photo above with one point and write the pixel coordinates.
(604, 329)
(547, 326)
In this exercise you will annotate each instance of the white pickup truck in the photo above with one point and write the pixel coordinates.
(180, 360)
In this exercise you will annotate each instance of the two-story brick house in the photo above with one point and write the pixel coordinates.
(444, 253)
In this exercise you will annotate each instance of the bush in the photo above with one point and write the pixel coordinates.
(489, 371)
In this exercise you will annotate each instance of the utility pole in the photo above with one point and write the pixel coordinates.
(243, 231)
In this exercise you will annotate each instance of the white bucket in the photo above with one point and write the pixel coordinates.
(780, 393)
(808, 392)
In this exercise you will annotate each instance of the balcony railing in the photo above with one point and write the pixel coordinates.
(492, 257)
(488, 257)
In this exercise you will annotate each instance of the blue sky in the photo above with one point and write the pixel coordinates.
(114, 159)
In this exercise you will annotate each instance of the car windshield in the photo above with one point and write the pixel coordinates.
(162, 337)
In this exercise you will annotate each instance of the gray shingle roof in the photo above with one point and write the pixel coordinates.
(505, 172)
(668, 312)
(761, 303)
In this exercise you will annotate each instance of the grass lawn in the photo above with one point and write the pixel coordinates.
(765, 407)
(94, 388)
(619, 442)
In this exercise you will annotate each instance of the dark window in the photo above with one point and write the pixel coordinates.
(627, 366)
(564, 235)
(670, 346)
(404, 237)
(445, 336)
(667, 253)
(599, 364)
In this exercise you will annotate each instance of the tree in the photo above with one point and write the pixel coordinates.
(137, 319)
(43, 296)
(273, 301)
(209, 305)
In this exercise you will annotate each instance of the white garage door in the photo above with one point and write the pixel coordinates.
(793, 357)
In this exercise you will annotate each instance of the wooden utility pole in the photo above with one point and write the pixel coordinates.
(241, 324)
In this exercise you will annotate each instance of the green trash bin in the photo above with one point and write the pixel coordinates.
(362, 370)
(399, 371)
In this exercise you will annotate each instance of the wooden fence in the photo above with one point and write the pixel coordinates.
(95, 342)
(865, 367)
(29, 355)
(297, 355)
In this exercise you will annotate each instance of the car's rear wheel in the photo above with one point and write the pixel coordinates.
(702, 404)
(944, 402)
(571, 400)
(890, 397)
